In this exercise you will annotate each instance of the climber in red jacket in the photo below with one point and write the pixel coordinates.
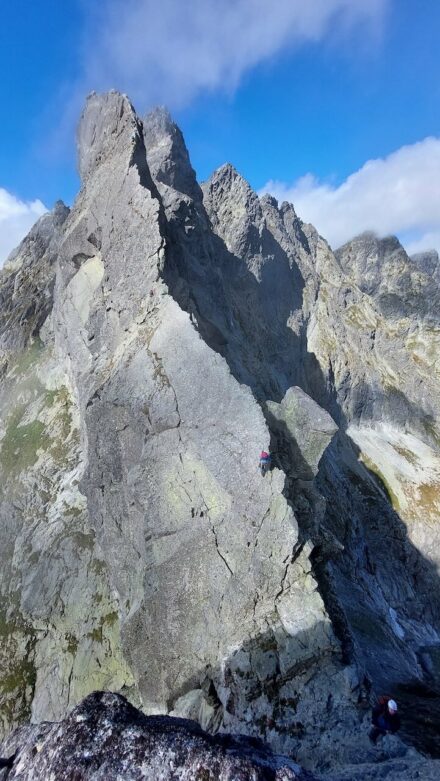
(265, 461)
(384, 718)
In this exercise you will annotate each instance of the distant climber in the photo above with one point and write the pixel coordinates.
(384, 718)
(265, 461)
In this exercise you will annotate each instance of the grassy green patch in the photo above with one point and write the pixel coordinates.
(50, 397)
(19, 678)
(28, 358)
(20, 444)
(84, 541)
(72, 511)
(17, 670)
(67, 436)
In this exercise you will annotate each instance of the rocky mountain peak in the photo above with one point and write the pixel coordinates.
(167, 154)
(382, 268)
(232, 204)
(60, 212)
(429, 262)
(152, 344)
(108, 125)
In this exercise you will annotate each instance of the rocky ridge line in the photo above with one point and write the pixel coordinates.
(187, 328)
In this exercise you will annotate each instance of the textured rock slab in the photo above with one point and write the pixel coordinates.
(106, 739)
(311, 427)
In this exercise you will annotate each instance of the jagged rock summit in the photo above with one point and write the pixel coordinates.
(152, 341)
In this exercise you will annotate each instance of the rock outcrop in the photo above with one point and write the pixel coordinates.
(428, 262)
(152, 341)
(106, 738)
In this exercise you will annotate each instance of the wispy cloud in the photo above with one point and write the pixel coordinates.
(398, 194)
(16, 219)
(169, 51)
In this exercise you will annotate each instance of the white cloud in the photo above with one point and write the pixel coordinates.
(429, 240)
(16, 219)
(169, 51)
(399, 194)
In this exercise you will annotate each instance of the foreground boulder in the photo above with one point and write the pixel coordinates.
(107, 738)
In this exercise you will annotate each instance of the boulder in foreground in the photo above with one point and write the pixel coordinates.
(106, 738)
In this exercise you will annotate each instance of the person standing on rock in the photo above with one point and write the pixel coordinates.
(265, 460)
(384, 719)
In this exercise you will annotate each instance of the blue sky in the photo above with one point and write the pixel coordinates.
(298, 98)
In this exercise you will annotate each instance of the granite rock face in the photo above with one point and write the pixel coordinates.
(152, 341)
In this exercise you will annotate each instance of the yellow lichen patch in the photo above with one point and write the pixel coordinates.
(427, 498)
(381, 480)
(361, 317)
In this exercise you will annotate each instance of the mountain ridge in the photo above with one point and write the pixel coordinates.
(178, 329)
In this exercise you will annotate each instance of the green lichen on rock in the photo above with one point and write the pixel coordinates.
(17, 670)
(65, 435)
(21, 442)
(28, 358)
(72, 643)
(109, 620)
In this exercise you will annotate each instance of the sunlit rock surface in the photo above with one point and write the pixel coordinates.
(153, 340)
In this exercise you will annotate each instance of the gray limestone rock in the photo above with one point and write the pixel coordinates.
(153, 341)
(428, 262)
(310, 427)
(168, 158)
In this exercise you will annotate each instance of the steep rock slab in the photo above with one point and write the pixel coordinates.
(59, 637)
(310, 427)
(201, 548)
(371, 368)
(27, 280)
(244, 286)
